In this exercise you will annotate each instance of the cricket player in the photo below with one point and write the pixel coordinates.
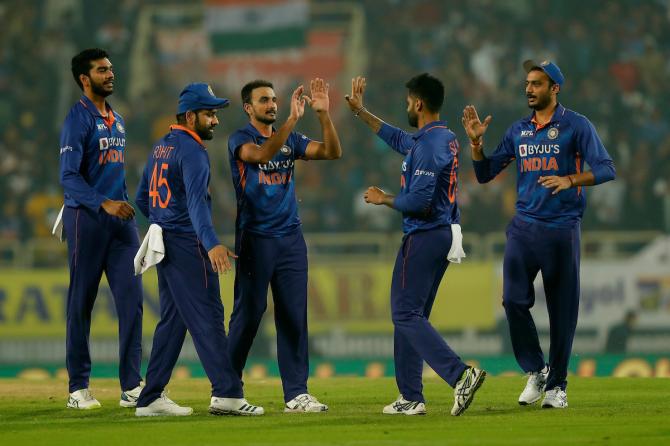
(100, 229)
(174, 195)
(550, 147)
(432, 238)
(268, 234)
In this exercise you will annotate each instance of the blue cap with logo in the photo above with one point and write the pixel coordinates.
(199, 96)
(550, 68)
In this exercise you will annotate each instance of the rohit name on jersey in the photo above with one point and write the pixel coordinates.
(111, 150)
(531, 163)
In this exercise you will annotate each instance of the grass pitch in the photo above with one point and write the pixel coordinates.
(603, 411)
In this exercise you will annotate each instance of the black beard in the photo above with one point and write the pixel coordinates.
(205, 133)
(542, 103)
(413, 119)
(99, 90)
(266, 121)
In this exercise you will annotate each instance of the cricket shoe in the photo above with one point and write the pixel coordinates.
(163, 407)
(305, 403)
(403, 406)
(555, 398)
(129, 397)
(82, 399)
(465, 389)
(534, 387)
(234, 406)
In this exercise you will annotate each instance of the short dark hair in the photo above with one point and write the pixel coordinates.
(429, 89)
(251, 86)
(181, 117)
(81, 63)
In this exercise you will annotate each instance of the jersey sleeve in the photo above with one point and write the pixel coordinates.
(299, 143)
(417, 197)
(195, 171)
(594, 152)
(488, 168)
(72, 147)
(237, 140)
(142, 196)
(399, 140)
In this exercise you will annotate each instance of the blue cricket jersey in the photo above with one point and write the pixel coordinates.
(266, 203)
(91, 156)
(173, 192)
(429, 177)
(559, 147)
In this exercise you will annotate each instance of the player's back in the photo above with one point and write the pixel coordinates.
(164, 191)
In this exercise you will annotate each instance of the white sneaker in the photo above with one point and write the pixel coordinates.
(129, 397)
(555, 398)
(305, 403)
(82, 399)
(534, 387)
(403, 406)
(465, 389)
(163, 406)
(233, 406)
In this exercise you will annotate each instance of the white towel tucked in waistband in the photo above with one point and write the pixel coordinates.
(58, 226)
(151, 251)
(456, 253)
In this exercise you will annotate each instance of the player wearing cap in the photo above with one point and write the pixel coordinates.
(100, 229)
(173, 194)
(268, 237)
(550, 147)
(432, 238)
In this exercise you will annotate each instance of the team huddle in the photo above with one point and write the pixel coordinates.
(550, 147)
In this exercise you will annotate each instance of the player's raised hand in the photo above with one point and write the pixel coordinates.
(319, 91)
(355, 99)
(555, 182)
(297, 103)
(472, 125)
(219, 256)
(120, 209)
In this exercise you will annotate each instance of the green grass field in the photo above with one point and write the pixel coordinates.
(602, 411)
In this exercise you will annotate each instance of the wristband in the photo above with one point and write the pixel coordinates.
(358, 112)
(572, 182)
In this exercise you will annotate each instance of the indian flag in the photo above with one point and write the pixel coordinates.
(255, 25)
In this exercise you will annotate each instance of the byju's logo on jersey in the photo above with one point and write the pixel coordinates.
(525, 133)
(523, 150)
(104, 144)
(285, 150)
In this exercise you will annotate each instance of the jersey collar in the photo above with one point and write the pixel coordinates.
(189, 131)
(92, 109)
(428, 127)
(557, 116)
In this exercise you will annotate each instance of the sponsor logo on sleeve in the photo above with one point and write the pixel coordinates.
(65, 149)
(404, 166)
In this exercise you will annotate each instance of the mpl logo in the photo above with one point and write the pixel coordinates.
(526, 133)
(104, 144)
(523, 150)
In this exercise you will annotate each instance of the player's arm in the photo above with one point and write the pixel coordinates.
(195, 171)
(595, 155)
(72, 146)
(397, 139)
(142, 195)
(261, 154)
(417, 196)
(486, 168)
(330, 148)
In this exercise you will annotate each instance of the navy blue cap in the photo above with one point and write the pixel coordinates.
(550, 68)
(199, 96)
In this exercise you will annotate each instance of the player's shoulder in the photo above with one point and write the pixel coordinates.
(241, 136)
(574, 117)
(79, 115)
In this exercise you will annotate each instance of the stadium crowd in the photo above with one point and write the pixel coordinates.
(615, 58)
